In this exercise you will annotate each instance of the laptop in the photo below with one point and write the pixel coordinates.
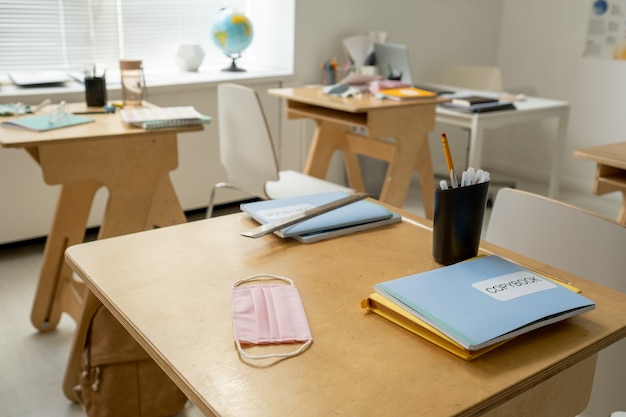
(38, 78)
(393, 63)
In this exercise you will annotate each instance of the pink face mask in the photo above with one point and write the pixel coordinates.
(269, 314)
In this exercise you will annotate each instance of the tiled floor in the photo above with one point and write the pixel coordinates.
(32, 363)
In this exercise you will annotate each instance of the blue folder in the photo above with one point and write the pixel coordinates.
(353, 217)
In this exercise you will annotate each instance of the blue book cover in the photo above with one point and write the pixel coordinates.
(334, 222)
(485, 300)
(45, 122)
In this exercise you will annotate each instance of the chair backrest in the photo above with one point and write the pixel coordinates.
(577, 241)
(561, 235)
(246, 148)
(473, 77)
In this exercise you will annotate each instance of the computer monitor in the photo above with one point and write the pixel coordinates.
(392, 61)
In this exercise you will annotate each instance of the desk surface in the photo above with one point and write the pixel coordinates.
(171, 288)
(314, 96)
(613, 154)
(14, 137)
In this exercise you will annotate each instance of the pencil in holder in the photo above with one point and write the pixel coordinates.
(458, 222)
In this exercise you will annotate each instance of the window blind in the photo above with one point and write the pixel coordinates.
(76, 34)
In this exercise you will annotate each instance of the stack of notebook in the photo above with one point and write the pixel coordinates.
(478, 104)
(164, 117)
(472, 307)
(354, 217)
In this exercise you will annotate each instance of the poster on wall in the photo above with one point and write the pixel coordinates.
(606, 33)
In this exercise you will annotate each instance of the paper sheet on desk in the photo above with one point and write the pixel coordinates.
(343, 90)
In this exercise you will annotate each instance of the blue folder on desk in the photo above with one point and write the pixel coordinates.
(361, 215)
(44, 122)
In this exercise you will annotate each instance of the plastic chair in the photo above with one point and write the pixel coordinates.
(482, 78)
(247, 151)
(577, 241)
(473, 77)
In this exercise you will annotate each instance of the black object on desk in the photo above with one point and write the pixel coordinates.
(95, 91)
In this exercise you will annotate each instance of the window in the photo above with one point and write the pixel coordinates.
(77, 34)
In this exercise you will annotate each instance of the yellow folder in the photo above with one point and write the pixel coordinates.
(391, 311)
(386, 308)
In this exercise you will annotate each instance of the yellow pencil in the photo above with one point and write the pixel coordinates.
(446, 151)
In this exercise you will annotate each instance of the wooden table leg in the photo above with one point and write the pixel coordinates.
(328, 138)
(409, 126)
(156, 188)
(70, 220)
(165, 209)
(410, 155)
(621, 217)
(141, 196)
(424, 167)
(608, 180)
(73, 365)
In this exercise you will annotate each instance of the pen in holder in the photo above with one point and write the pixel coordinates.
(458, 222)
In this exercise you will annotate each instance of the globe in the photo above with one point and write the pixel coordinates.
(232, 33)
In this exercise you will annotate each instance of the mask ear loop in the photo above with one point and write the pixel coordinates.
(273, 355)
(270, 355)
(263, 277)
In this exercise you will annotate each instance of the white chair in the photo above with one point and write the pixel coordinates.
(483, 78)
(473, 77)
(247, 151)
(577, 241)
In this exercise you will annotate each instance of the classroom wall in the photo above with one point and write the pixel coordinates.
(537, 44)
(438, 33)
(541, 53)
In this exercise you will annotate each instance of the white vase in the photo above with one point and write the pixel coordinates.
(189, 57)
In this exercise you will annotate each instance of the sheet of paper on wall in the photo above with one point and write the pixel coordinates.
(358, 48)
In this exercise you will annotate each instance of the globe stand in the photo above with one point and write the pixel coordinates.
(233, 65)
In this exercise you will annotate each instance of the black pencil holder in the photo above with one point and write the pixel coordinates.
(458, 222)
(95, 91)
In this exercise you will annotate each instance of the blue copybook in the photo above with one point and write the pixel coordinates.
(484, 301)
(360, 215)
(43, 123)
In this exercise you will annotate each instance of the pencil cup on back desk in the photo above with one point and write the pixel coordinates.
(95, 90)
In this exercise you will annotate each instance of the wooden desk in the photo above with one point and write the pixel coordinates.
(133, 164)
(531, 109)
(610, 171)
(174, 298)
(397, 132)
